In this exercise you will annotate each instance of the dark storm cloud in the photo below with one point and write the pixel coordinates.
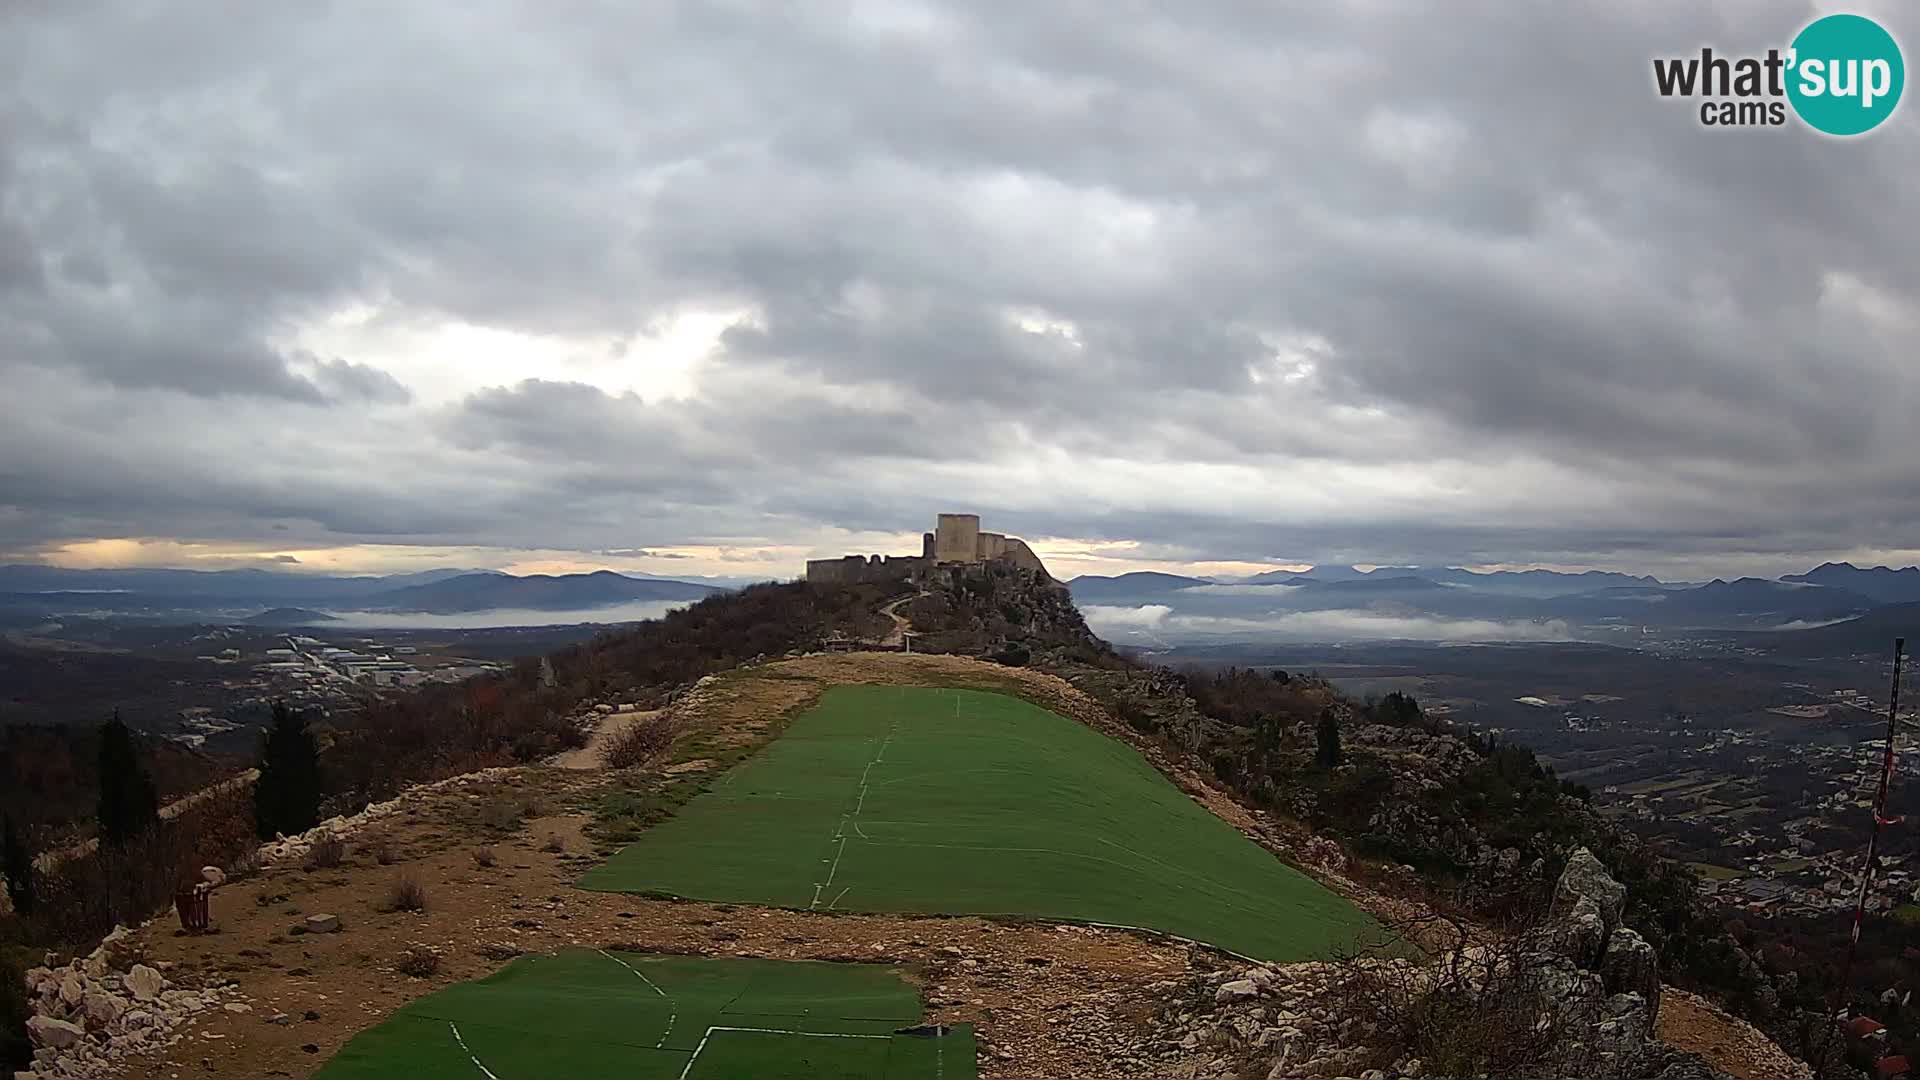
(1370, 281)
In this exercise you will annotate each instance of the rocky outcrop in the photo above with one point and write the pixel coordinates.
(94, 1011)
(1582, 993)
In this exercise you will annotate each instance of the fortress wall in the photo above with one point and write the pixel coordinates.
(853, 569)
(1018, 553)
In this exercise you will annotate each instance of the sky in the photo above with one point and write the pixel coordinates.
(713, 288)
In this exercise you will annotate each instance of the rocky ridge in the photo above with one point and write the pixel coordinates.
(1580, 994)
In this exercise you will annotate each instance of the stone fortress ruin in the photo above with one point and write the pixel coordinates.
(956, 540)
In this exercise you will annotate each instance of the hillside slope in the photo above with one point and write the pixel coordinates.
(1414, 817)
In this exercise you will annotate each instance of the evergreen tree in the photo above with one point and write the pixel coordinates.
(128, 803)
(1327, 732)
(286, 798)
(16, 865)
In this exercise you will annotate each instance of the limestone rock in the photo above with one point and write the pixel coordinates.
(213, 876)
(1237, 990)
(144, 983)
(72, 991)
(58, 1034)
(1586, 877)
(322, 924)
(1630, 967)
(1581, 934)
(101, 1008)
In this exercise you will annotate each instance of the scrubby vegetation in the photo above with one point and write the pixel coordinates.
(638, 743)
(406, 893)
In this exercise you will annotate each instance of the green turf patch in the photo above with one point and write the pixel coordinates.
(903, 799)
(626, 1016)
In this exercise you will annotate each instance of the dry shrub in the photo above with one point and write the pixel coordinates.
(639, 743)
(419, 961)
(500, 813)
(1480, 1006)
(328, 851)
(244, 865)
(406, 894)
(483, 858)
(382, 851)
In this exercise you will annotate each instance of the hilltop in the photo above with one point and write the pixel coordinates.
(1414, 816)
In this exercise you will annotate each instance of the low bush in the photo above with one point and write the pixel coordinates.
(1480, 1008)
(419, 962)
(406, 894)
(639, 743)
(483, 857)
(244, 865)
(327, 852)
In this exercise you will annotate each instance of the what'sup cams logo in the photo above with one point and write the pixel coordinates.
(1842, 75)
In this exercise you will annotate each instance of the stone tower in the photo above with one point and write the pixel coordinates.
(956, 538)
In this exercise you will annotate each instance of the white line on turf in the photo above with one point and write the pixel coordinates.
(767, 1031)
(673, 1010)
(840, 831)
(484, 1071)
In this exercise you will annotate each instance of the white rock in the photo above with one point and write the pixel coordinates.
(144, 983)
(72, 990)
(103, 1008)
(57, 1034)
(137, 1019)
(238, 1007)
(1236, 990)
(213, 876)
(322, 924)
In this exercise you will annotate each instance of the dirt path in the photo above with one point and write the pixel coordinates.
(897, 636)
(609, 728)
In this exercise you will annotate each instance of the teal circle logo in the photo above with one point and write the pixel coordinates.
(1846, 74)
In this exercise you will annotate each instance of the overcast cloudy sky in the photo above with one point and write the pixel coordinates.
(713, 287)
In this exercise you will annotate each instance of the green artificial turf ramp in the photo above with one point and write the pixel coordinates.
(625, 1016)
(907, 799)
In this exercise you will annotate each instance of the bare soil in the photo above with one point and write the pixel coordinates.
(1690, 1022)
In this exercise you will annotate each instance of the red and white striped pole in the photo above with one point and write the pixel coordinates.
(1880, 820)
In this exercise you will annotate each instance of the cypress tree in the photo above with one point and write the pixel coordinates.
(16, 865)
(1327, 733)
(286, 798)
(129, 805)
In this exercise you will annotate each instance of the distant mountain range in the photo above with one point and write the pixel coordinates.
(539, 592)
(1451, 603)
(1883, 585)
(33, 592)
(290, 616)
